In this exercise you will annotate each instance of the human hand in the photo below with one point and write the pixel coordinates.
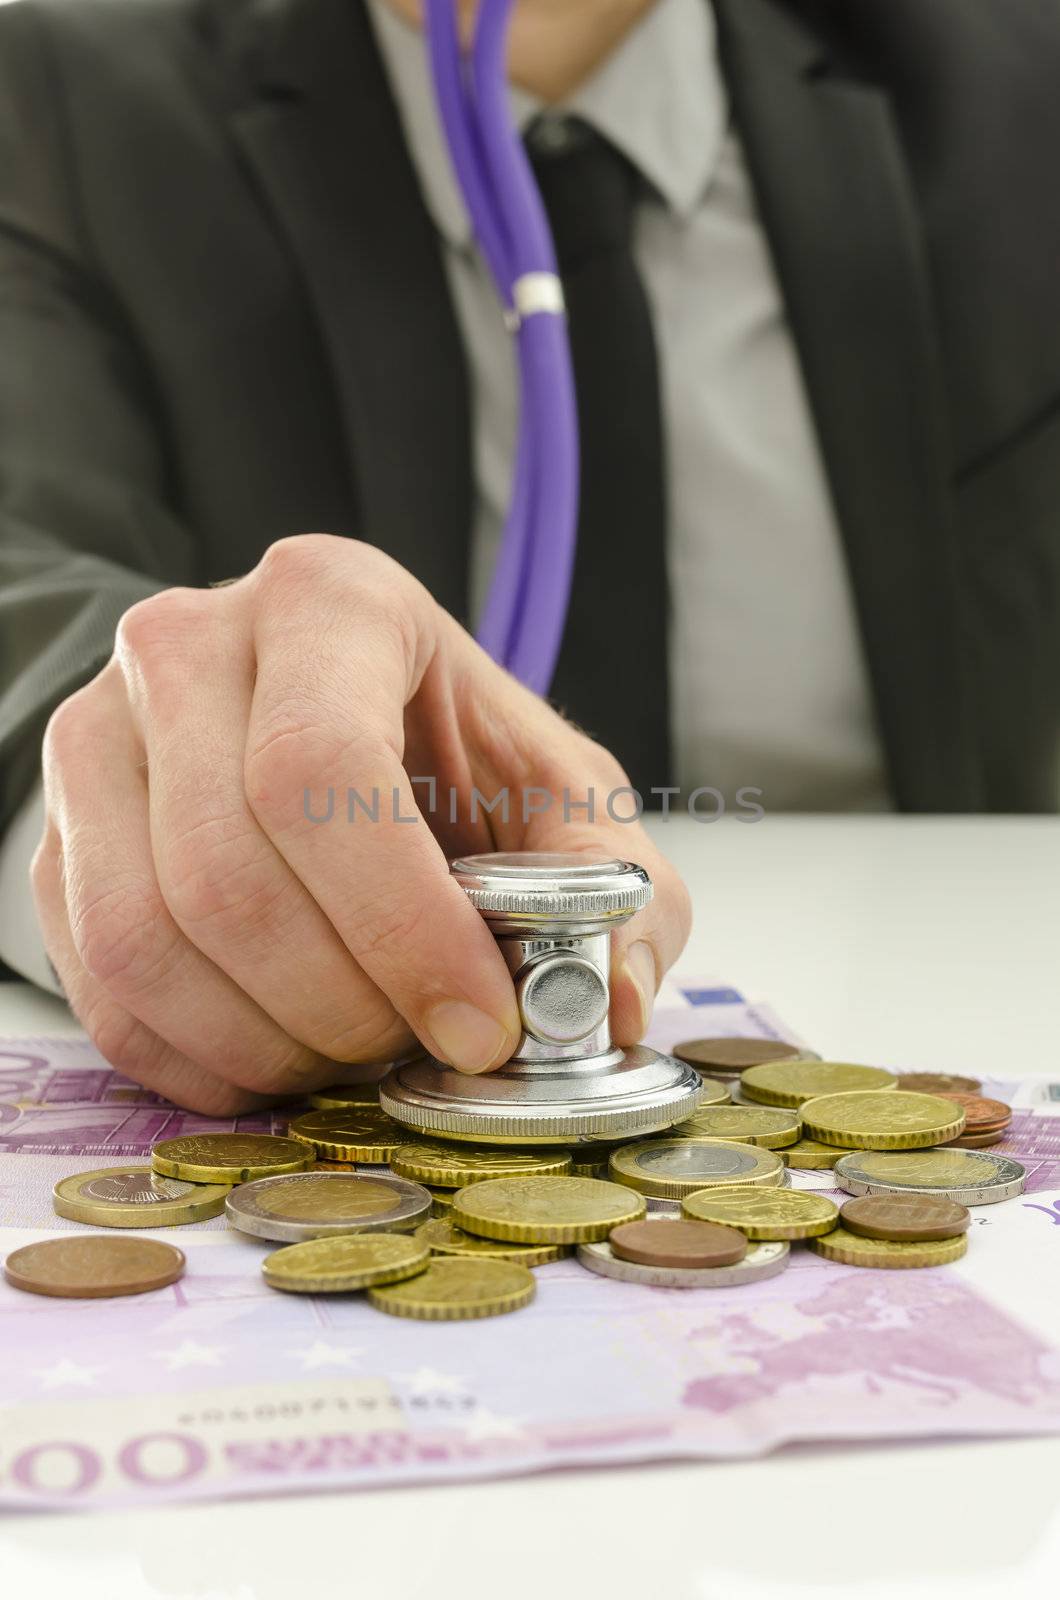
(222, 948)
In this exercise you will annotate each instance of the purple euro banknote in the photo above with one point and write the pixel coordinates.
(218, 1386)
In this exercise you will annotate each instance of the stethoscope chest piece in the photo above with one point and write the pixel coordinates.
(552, 916)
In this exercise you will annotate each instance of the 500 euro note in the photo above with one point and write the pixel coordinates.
(218, 1386)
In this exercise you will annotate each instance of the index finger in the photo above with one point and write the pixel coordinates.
(327, 720)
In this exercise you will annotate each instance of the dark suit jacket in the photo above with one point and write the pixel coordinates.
(224, 318)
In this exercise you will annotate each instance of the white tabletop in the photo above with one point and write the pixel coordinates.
(915, 941)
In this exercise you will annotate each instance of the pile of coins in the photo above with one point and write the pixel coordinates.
(452, 1231)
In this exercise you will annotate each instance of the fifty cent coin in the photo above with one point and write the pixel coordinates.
(335, 1266)
(447, 1166)
(458, 1288)
(789, 1083)
(440, 1236)
(93, 1266)
(769, 1126)
(855, 1251)
(316, 1205)
(228, 1157)
(871, 1121)
(362, 1133)
(545, 1210)
(765, 1213)
(811, 1156)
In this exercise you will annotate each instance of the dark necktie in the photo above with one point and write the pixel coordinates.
(612, 675)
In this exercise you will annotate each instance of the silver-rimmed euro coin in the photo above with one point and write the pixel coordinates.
(761, 1261)
(970, 1177)
(317, 1205)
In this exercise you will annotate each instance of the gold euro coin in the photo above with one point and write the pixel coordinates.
(764, 1213)
(359, 1133)
(869, 1121)
(545, 1210)
(441, 1200)
(136, 1197)
(811, 1156)
(590, 1161)
(455, 1166)
(714, 1093)
(789, 1083)
(769, 1126)
(445, 1239)
(668, 1169)
(341, 1096)
(345, 1262)
(457, 1288)
(229, 1157)
(855, 1251)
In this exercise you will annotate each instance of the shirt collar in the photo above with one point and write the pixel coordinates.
(659, 97)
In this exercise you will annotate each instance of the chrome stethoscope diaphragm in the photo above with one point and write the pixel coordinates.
(566, 1083)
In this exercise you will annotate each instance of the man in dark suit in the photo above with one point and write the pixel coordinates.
(237, 304)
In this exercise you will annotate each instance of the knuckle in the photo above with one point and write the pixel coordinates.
(378, 1034)
(393, 933)
(117, 932)
(281, 764)
(145, 1057)
(290, 1071)
(370, 584)
(120, 1039)
(214, 1098)
(156, 626)
(292, 756)
(216, 877)
(68, 726)
(44, 865)
(299, 556)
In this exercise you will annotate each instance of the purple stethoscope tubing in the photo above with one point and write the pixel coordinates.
(524, 614)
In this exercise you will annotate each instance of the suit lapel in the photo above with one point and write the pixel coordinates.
(832, 188)
(316, 123)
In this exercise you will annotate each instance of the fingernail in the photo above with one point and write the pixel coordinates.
(466, 1037)
(640, 965)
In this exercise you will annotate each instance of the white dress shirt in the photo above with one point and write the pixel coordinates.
(768, 681)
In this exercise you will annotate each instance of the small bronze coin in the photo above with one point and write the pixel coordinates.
(93, 1266)
(938, 1083)
(981, 1115)
(657, 1243)
(976, 1141)
(727, 1057)
(905, 1217)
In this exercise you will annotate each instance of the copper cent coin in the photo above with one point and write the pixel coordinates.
(976, 1141)
(981, 1115)
(729, 1056)
(905, 1217)
(938, 1083)
(93, 1266)
(656, 1243)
